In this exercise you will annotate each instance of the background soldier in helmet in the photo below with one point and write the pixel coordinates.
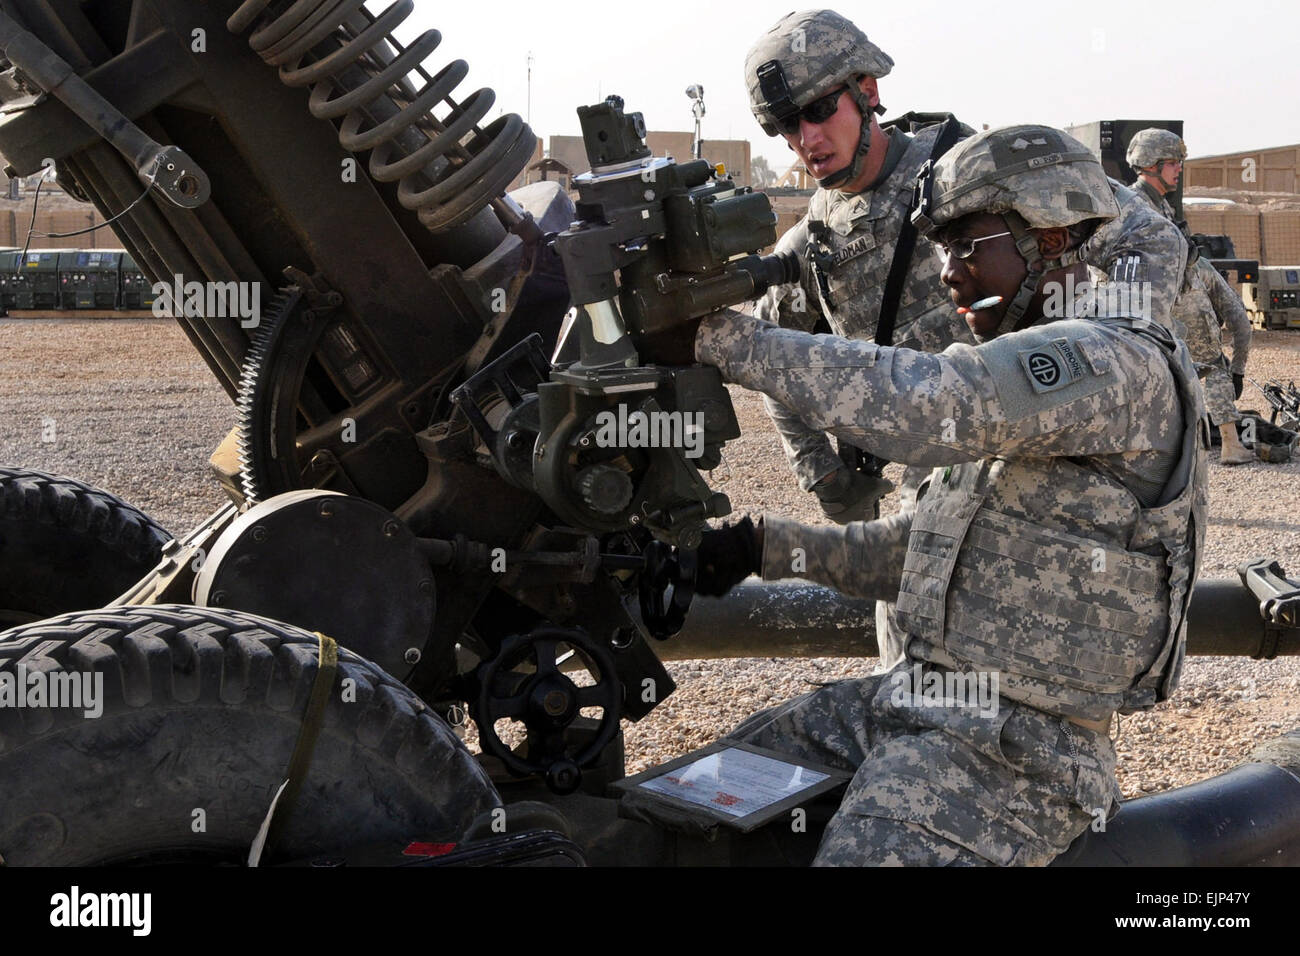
(812, 79)
(1206, 301)
(1053, 547)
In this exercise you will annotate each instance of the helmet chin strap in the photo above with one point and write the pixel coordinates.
(1013, 320)
(1158, 173)
(1027, 246)
(854, 168)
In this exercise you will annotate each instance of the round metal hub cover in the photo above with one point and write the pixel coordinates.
(327, 562)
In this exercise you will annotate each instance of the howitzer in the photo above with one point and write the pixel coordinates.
(435, 468)
(421, 468)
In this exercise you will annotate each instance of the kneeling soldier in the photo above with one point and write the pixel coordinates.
(1051, 554)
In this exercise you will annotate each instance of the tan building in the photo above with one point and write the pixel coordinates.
(1263, 215)
(1238, 221)
(57, 213)
(1270, 170)
(1270, 234)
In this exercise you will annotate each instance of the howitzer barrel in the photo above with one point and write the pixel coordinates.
(795, 619)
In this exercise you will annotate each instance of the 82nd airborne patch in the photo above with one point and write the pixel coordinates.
(1051, 366)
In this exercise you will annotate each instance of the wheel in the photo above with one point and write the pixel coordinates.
(65, 546)
(547, 702)
(201, 709)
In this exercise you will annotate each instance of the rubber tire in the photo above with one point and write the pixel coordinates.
(65, 546)
(201, 711)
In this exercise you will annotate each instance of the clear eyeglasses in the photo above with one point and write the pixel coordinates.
(963, 247)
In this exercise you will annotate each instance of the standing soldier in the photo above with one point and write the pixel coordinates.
(1051, 553)
(812, 78)
(1206, 301)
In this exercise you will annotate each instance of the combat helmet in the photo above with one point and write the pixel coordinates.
(1035, 177)
(1152, 145)
(805, 56)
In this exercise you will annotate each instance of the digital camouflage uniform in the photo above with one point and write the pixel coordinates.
(1138, 248)
(815, 52)
(1204, 304)
(1144, 250)
(863, 234)
(1054, 545)
(864, 231)
(1231, 312)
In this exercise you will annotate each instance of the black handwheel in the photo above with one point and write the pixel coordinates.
(65, 546)
(201, 712)
(667, 587)
(546, 701)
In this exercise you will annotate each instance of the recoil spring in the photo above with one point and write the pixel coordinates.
(447, 169)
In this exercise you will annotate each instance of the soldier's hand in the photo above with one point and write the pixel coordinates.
(1238, 383)
(848, 495)
(728, 555)
(674, 346)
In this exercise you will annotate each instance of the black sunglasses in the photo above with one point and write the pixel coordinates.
(816, 112)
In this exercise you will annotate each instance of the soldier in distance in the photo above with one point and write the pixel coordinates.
(1205, 303)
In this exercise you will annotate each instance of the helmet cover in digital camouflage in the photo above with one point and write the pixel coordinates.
(1044, 174)
(1035, 177)
(805, 56)
(1149, 146)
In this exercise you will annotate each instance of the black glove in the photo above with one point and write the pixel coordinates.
(1238, 383)
(727, 556)
(849, 495)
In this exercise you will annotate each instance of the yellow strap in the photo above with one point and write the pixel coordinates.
(312, 721)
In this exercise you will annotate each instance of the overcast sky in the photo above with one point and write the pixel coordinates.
(1231, 71)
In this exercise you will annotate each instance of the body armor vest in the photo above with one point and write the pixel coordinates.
(1077, 625)
(857, 236)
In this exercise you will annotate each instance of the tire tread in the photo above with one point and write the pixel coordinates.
(161, 658)
(78, 507)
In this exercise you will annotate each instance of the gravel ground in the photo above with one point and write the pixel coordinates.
(134, 410)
